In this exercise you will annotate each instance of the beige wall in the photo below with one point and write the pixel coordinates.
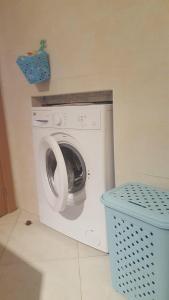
(94, 45)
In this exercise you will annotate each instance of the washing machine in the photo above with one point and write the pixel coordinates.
(74, 160)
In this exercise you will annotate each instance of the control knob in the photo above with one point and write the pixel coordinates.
(58, 120)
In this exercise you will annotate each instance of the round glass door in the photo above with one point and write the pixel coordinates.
(53, 173)
(51, 165)
(63, 172)
(75, 166)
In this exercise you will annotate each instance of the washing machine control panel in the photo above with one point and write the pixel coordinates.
(42, 118)
(79, 120)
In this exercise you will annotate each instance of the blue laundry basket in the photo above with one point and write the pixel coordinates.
(137, 218)
(36, 67)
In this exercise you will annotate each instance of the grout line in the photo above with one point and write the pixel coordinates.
(10, 234)
(51, 260)
(80, 277)
(32, 261)
(93, 256)
(31, 213)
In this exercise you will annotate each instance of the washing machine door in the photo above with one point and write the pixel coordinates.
(54, 173)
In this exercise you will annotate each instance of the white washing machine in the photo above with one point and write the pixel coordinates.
(75, 165)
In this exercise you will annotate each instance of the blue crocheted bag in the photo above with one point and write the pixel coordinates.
(36, 67)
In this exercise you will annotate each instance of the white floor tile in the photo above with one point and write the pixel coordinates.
(60, 280)
(38, 263)
(95, 279)
(42, 281)
(5, 231)
(10, 218)
(24, 216)
(38, 242)
(86, 251)
(20, 282)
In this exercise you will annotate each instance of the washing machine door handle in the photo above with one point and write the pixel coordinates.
(60, 180)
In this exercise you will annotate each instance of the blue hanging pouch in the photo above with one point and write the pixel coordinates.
(35, 67)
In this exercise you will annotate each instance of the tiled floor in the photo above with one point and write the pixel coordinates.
(38, 263)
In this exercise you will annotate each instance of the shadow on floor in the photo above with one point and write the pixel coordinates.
(19, 281)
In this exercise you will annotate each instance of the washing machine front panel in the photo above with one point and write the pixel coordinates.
(89, 131)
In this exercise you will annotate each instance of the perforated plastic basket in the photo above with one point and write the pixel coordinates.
(138, 237)
(36, 67)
